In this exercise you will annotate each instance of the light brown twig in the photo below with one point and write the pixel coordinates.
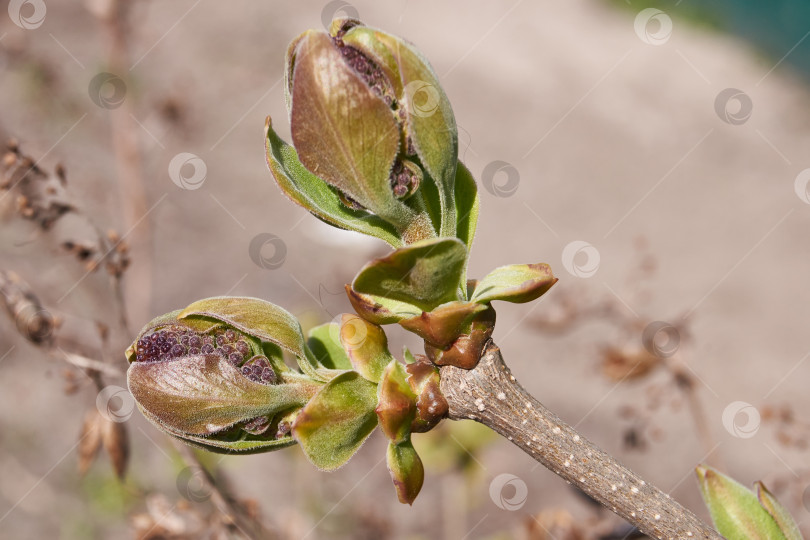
(489, 394)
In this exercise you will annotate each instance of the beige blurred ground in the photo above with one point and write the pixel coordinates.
(613, 139)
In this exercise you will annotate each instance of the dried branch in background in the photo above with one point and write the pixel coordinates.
(42, 197)
(35, 323)
(113, 17)
(237, 515)
(31, 319)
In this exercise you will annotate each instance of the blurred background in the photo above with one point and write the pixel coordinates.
(654, 153)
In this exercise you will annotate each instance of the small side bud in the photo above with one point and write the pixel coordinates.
(735, 510)
(406, 470)
(431, 406)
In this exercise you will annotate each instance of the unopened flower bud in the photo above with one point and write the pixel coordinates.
(370, 120)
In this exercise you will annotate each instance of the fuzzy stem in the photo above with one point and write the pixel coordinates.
(489, 394)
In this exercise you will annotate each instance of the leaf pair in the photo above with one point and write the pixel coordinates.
(740, 514)
(423, 288)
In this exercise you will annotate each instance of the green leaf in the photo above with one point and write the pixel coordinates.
(396, 406)
(315, 195)
(336, 422)
(406, 470)
(778, 512)
(329, 101)
(244, 443)
(260, 319)
(517, 283)
(467, 205)
(380, 310)
(324, 342)
(424, 274)
(366, 345)
(735, 510)
(200, 395)
(408, 355)
(430, 122)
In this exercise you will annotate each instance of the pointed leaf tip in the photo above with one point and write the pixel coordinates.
(517, 283)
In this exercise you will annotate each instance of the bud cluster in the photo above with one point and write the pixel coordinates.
(171, 342)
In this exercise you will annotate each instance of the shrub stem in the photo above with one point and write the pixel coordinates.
(489, 394)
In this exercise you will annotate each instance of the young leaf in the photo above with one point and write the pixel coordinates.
(322, 342)
(260, 319)
(406, 470)
(517, 283)
(735, 510)
(366, 345)
(337, 420)
(379, 310)
(424, 274)
(430, 122)
(243, 443)
(778, 512)
(200, 395)
(467, 205)
(325, 90)
(315, 195)
(396, 406)
(442, 326)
